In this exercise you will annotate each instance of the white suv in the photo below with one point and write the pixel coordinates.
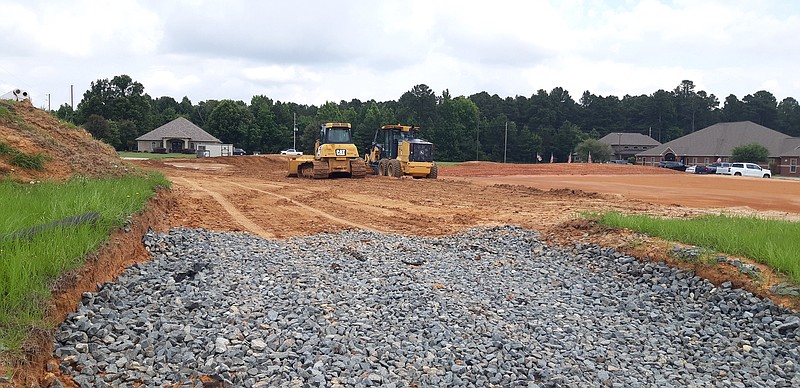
(749, 169)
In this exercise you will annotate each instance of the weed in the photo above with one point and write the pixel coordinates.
(35, 162)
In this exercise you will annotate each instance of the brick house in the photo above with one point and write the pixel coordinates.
(627, 145)
(717, 142)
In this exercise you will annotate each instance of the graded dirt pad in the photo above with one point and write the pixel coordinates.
(253, 193)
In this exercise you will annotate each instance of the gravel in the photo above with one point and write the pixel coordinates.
(491, 306)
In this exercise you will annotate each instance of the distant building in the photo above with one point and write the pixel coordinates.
(627, 145)
(718, 141)
(177, 136)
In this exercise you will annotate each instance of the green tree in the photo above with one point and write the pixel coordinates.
(753, 152)
(789, 117)
(601, 152)
(97, 126)
(761, 108)
(232, 122)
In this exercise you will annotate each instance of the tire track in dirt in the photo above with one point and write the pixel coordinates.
(308, 208)
(237, 216)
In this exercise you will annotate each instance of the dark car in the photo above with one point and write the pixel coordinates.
(672, 165)
(239, 151)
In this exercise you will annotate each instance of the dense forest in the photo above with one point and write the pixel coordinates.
(463, 128)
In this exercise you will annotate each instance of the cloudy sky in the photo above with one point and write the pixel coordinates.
(316, 51)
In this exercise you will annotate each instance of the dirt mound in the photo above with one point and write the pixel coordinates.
(474, 169)
(68, 150)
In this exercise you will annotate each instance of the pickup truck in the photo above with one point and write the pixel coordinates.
(749, 169)
(723, 168)
(291, 151)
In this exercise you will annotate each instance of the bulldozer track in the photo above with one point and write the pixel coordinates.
(231, 209)
(321, 170)
(358, 169)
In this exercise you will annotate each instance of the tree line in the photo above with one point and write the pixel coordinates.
(482, 126)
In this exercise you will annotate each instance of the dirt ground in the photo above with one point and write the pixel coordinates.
(252, 193)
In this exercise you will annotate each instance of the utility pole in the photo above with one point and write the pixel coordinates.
(477, 145)
(505, 144)
(71, 97)
(294, 131)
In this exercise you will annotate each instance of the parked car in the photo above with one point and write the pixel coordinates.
(672, 165)
(239, 151)
(690, 169)
(749, 169)
(723, 168)
(621, 161)
(291, 151)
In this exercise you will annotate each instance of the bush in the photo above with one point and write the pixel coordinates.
(754, 153)
(35, 162)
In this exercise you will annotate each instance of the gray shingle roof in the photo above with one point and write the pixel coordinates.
(179, 128)
(628, 139)
(720, 139)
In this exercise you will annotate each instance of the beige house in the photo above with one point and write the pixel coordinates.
(177, 136)
(626, 145)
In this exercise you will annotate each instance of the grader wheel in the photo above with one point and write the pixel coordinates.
(434, 172)
(395, 170)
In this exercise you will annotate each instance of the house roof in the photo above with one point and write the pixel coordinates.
(720, 140)
(179, 128)
(626, 138)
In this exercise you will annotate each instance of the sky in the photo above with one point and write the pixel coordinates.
(310, 52)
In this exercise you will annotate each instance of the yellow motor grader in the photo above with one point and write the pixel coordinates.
(335, 155)
(400, 153)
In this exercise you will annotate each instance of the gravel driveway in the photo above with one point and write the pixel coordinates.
(491, 306)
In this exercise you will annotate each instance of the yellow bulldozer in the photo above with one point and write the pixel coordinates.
(400, 153)
(335, 155)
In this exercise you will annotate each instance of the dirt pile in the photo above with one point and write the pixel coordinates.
(67, 150)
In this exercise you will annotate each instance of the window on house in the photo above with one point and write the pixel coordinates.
(652, 161)
(694, 160)
(793, 166)
(153, 145)
(705, 161)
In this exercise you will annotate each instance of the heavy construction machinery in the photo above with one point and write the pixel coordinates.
(335, 155)
(400, 153)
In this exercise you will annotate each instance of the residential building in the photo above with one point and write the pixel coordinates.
(626, 145)
(177, 136)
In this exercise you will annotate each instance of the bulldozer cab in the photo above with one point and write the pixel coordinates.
(335, 133)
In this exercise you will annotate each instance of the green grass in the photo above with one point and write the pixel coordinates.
(28, 266)
(31, 162)
(447, 163)
(148, 155)
(772, 242)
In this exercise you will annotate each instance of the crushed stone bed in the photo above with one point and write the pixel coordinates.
(489, 306)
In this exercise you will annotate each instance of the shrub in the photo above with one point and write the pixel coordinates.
(754, 153)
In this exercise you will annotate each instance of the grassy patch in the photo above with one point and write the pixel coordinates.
(772, 242)
(31, 162)
(447, 163)
(6, 149)
(29, 264)
(148, 155)
(4, 112)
